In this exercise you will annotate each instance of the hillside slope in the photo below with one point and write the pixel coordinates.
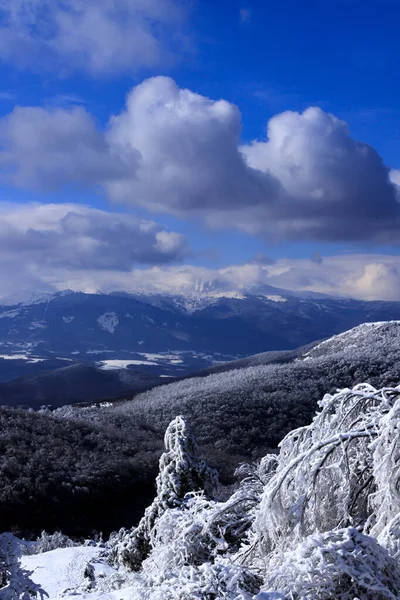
(237, 416)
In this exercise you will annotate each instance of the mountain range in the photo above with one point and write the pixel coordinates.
(71, 346)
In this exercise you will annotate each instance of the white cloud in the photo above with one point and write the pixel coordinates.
(334, 186)
(50, 147)
(177, 152)
(379, 278)
(395, 177)
(362, 276)
(58, 246)
(365, 277)
(44, 243)
(189, 158)
(98, 36)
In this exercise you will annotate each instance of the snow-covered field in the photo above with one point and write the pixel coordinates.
(123, 364)
(62, 571)
(78, 572)
(26, 357)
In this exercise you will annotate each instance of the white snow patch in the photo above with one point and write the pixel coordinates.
(10, 314)
(30, 359)
(122, 364)
(170, 357)
(195, 302)
(108, 321)
(37, 325)
(63, 569)
(100, 351)
(276, 298)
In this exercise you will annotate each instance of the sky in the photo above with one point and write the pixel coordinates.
(158, 145)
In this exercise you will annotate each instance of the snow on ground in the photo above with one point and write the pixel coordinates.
(275, 298)
(108, 321)
(37, 325)
(30, 359)
(68, 319)
(26, 297)
(351, 337)
(100, 351)
(10, 314)
(148, 359)
(172, 358)
(123, 364)
(196, 302)
(80, 572)
(61, 572)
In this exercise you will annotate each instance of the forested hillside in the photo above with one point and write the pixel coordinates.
(106, 454)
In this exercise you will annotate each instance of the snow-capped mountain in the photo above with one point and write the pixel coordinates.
(215, 325)
(73, 334)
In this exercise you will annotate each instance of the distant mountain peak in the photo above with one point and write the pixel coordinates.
(28, 297)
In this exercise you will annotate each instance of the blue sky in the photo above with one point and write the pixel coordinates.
(313, 186)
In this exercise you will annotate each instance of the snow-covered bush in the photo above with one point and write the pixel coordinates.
(181, 472)
(342, 470)
(210, 581)
(52, 541)
(342, 564)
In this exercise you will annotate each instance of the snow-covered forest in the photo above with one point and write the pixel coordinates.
(318, 520)
(90, 469)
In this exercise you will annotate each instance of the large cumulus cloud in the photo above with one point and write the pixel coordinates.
(101, 37)
(40, 244)
(177, 152)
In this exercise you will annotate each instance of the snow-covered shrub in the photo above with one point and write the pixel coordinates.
(181, 472)
(227, 523)
(384, 520)
(342, 564)
(339, 471)
(182, 536)
(52, 541)
(15, 582)
(209, 581)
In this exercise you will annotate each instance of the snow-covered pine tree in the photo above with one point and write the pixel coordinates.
(181, 472)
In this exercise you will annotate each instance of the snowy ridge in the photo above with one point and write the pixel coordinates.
(191, 299)
(354, 337)
(29, 297)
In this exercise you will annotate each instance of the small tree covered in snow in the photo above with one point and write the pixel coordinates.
(181, 472)
(52, 541)
(15, 582)
(339, 471)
